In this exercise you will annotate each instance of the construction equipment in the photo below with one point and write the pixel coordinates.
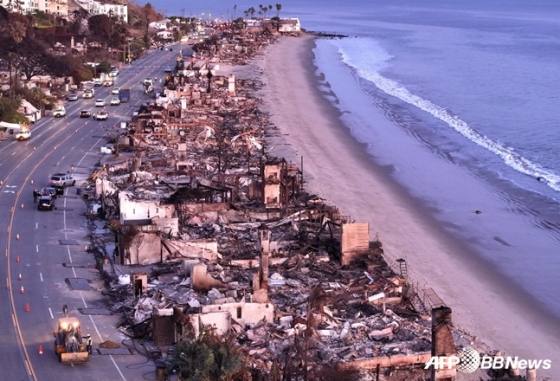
(68, 342)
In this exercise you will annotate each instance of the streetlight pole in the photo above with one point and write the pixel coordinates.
(181, 33)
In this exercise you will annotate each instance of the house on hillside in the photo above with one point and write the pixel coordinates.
(31, 112)
(97, 8)
(55, 7)
(165, 35)
(160, 25)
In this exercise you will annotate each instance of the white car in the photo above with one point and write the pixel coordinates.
(115, 101)
(115, 91)
(102, 115)
(114, 73)
(100, 103)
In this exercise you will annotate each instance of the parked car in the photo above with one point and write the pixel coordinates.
(85, 114)
(72, 97)
(115, 101)
(115, 90)
(102, 115)
(46, 203)
(100, 103)
(62, 180)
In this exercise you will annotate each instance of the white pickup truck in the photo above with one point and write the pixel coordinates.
(23, 135)
(59, 111)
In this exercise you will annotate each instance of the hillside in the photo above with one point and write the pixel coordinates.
(136, 13)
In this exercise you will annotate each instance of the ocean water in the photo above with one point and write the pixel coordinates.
(469, 93)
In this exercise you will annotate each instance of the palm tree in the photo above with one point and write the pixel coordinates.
(148, 9)
(234, 8)
(278, 9)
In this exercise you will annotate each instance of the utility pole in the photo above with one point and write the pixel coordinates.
(181, 34)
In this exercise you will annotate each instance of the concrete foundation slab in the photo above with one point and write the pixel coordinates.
(79, 284)
(67, 242)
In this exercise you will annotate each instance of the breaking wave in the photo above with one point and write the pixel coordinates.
(368, 59)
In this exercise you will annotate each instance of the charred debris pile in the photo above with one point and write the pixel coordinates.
(211, 232)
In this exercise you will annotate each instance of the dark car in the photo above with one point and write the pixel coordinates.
(168, 69)
(46, 203)
(85, 114)
(49, 191)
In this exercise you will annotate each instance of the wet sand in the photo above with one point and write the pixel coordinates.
(338, 168)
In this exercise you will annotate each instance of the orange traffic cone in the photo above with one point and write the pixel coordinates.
(17, 237)
(22, 291)
(27, 309)
(17, 258)
(1, 183)
(40, 349)
(19, 277)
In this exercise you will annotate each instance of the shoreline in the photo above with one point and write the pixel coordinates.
(331, 154)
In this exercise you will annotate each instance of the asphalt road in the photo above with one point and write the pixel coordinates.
(44, 249)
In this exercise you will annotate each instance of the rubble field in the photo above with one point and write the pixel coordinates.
(199, 229)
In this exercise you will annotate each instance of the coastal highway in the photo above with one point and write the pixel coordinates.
(43, 249)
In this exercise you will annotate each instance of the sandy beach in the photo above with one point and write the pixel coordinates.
(338, 168)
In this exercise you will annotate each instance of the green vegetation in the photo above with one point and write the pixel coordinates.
(8, 110)
(209, 357)
(263, 10)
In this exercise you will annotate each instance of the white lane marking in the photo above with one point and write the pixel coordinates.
(41, 276)
(36, 225)
(74, 272)
(37, 248)
(50, 311)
